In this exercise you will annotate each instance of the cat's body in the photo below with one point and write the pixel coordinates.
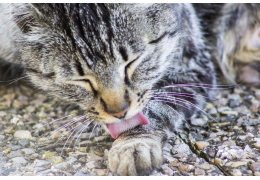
(116, 62)
(233, 32)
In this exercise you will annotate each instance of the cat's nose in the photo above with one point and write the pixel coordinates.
(119, 113)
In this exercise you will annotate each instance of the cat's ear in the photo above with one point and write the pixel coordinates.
(26, 16)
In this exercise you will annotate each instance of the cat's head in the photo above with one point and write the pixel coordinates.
(104, 58)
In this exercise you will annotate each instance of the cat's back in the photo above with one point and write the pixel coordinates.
(8, 34)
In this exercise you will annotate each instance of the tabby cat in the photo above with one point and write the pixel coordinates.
(138, 69)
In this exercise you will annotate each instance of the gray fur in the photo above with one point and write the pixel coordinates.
(111, 56)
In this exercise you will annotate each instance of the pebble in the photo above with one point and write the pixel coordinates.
(48, 154)
(62, 166)
(199, 172)
(236, 172)
(255, 167)
(79, 174)
(19, 160)
(204, 166)
(235, 164)
(40, 163)
(100, 172)
(3, 113)
(186, 167)
(198, 121)
(23, 134)
(70, 159)
(28, 151)
(24, 143)
(93, 164)
(13, 154)
(15, 147)
(93, 157)
(257, 144)
(56, 159)
(201, 144)
(7, 171)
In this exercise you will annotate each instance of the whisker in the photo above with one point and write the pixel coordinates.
(209, 86)
(84, 127)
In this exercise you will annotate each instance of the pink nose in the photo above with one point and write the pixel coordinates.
(120, 114)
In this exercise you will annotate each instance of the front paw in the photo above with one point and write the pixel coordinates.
(137, 156)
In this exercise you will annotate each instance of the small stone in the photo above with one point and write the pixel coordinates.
(3, 113)
(236, 172)
(255, 167)
(30, 109)
(40, 163)
(9, 130)
(19, 160)
(224, 108)
(199, 172)
(257, 173)
(99, 139)
(79, 174)
(76, 166)
(48, 155)
(236, 164)
(242, 110)
(71, 159)
(204, 166)
(100, 172)
(23, 134)
(174, 163)
(56, 135)
(62, 166)
(6, 151)
(7, 171)
(93, 157)
(24, 143)
(28, 151)
(167, 170)
(186, 167)
(201, 144)
(94, 164)
(56, 159)
(14, 120)
(229, 143)
(15, 147)
(235, 97)
(247, 149)
(13, 154)
(257, 144)
(235, 113)
(198, 121)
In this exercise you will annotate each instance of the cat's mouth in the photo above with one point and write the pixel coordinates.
(116, 129)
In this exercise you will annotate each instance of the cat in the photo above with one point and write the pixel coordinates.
(233, 32)
(138, 69)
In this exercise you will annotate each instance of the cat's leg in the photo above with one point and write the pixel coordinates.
(137, 152)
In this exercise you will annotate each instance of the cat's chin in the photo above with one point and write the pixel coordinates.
(116, 129)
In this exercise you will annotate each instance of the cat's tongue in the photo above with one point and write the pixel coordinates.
(116, 129)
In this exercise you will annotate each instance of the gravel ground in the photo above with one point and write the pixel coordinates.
(36, 138)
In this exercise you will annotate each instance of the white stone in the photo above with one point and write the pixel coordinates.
(23, 134)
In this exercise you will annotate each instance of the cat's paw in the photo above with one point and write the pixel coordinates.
(135, 156)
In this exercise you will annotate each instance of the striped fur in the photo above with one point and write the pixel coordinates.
(109, 57)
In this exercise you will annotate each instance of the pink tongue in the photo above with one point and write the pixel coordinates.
(118, 128)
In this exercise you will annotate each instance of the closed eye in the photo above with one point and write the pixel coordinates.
(158, 39)
(89, 83)
(127, 81)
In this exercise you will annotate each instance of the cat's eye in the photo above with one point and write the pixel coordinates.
(158, 39)
(87, 84)
(129, 71)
